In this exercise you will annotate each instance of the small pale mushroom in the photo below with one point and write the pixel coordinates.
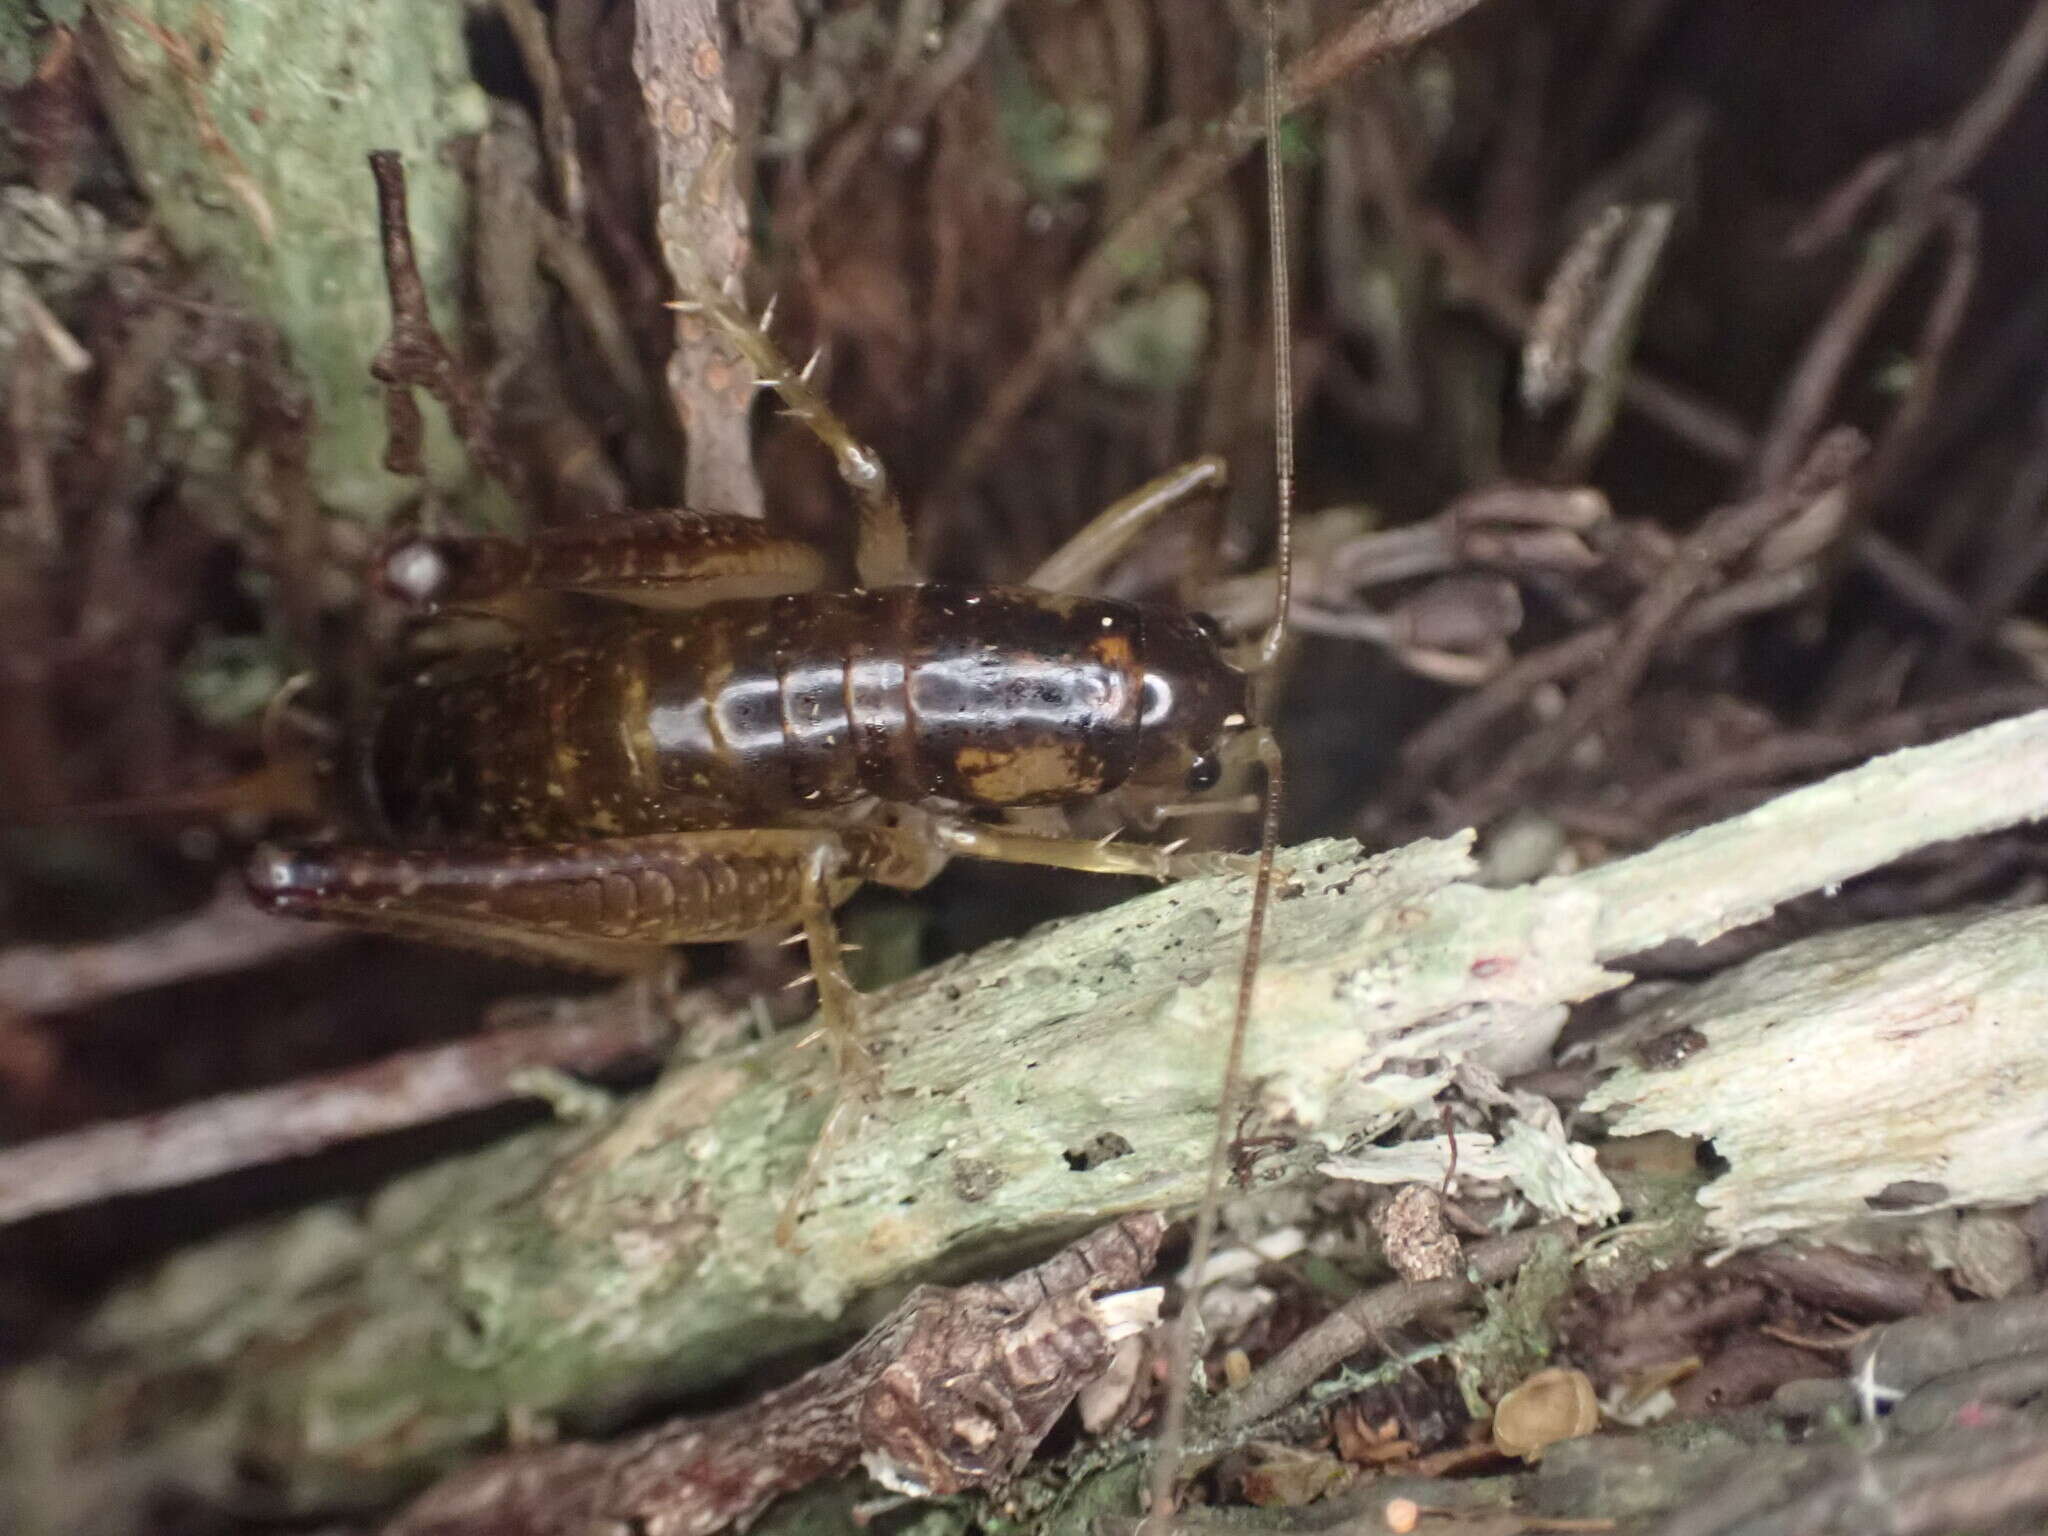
(1553, 1405)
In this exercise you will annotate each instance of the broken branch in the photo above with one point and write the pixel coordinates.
(953, 1390)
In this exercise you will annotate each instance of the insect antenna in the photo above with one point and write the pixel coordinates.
(1166, 1462)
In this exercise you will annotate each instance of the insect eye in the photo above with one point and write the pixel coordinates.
(1206, 623)
(1204, 773)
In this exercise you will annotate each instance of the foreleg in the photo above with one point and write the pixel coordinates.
(1008, 845)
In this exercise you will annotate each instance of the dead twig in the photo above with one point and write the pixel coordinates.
(1717, 435)
(1609, 337)
(1804, 400)
(35, 389)
(1835, 215)
(2007, 574)
(1698, 423)
(32, 539)
(278, 482)
(529, 29)
(1455, 629)
(1979, 387)
(1455, 728)
(1957, 221)
(215, 1136)
(1960, 227)
(1552, 353)
(1365, 1320)
(1722, 538)
(1794, 752)
(1842, 1280)
(530, 394)
(113, 477)
(590, 294)
(679, 54)
(953, 1390)
(415, 356)
(1460, 723)
(902, 109)
(1359, 42)
(227, 934)
(1907, 579)
(1747, 1369)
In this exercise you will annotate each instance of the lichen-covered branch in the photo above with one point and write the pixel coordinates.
(1032, 1090)
(1876, 1073)
(1720, 877)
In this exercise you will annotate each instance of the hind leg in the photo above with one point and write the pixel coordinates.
(617, 905)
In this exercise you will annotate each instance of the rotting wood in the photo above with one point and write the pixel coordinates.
(1862, 1077)
(953, 1390)
(576, 1273)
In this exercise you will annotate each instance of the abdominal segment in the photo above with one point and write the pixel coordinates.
(755, 712)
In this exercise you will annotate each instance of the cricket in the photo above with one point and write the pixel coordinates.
(979, 768)
(673, 732)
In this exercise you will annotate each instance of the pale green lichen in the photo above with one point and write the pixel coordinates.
(1516, 1336)
(248, 127)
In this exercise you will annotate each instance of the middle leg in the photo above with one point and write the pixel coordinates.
(882, 548)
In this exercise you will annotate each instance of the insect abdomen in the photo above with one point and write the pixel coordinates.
(746, 713)
(986, 696)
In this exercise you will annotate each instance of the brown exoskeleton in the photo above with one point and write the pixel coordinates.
(721, 745)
